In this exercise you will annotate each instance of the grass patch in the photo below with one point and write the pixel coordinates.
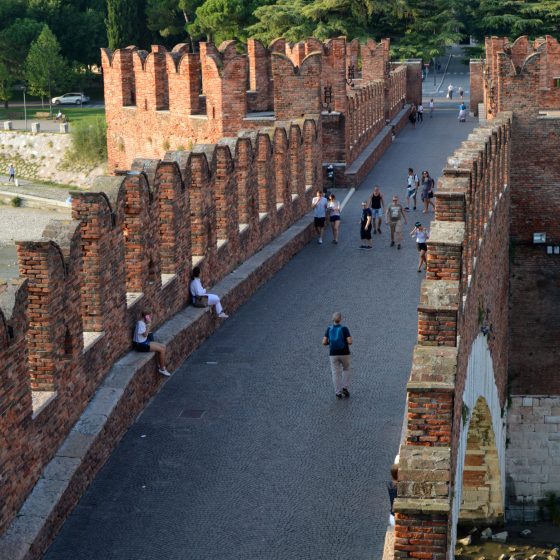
(74, 115)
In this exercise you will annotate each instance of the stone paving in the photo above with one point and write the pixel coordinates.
(245, 454)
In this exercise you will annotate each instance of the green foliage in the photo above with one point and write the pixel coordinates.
(16, 201)
(89, 143)
(219, 20)
(45, 68)
(127, 24)
(6, 83)
(551, 503)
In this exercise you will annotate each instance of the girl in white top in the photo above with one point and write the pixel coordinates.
(143, 341)
(333, 207)
(198, 290)
(422, 235)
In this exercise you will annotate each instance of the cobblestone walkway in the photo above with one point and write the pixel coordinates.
(245, 454)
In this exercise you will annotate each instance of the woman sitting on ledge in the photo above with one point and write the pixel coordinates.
(143, 341)
(201, 298)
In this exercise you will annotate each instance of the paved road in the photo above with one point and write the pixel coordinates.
(276, 468)
(453, 71)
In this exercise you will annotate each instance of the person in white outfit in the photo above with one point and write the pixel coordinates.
(198, 291)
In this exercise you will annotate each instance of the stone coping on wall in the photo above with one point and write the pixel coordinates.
(433, 367)
(120, 398)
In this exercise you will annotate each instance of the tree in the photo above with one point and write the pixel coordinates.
(219, 20)
(45, 68)
(15, 41)
(6, 83)
(126, 24)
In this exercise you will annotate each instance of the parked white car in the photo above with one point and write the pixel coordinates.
(70, 99)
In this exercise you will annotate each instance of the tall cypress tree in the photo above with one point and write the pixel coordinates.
(126, 24)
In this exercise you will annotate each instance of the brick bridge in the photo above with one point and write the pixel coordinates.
(254, 458)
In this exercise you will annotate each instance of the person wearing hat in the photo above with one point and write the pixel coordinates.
(422, 235)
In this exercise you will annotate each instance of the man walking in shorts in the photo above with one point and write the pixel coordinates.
(394, 217)
(319, 214)
(339, 340)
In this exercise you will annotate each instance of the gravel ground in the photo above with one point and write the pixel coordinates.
(21, 224)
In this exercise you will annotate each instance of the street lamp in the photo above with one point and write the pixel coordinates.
(23, 89)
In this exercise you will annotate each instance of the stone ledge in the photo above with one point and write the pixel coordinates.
(447, 233)
(433, 368)
(125, 391)
(422, 505)
(439, 295)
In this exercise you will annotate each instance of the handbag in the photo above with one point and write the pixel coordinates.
(200, 301)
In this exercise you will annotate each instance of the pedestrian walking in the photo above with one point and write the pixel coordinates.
(411, 188)
(334, 216)
(412, 116)
(432, 107)
(11, 173)
(422, 235)
(462, 113)
(201, 298)
(377, 205)
(394, 217)
(319, 203)
(143, 341)
(420, 112)
(461, 92)
(366, 225)
(338, 339)
(427, 191)
(449, 91)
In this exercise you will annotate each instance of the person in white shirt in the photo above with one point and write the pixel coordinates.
(412, 184)
(143, 341)
(431, 108)
(450, 91)
(319, 203)
(420, 113)
(422, 235)
(334, 216)
(198, 291)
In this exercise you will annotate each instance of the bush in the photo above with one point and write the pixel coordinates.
(16, 202)
(89, 142)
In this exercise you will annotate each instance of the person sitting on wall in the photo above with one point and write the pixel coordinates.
(143, 341)
(200, 298)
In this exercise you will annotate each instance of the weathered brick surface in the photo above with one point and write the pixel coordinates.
(162, 101)
(132, 239)
(466, 288)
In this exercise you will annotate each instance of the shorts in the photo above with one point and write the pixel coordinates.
(396, 226)
(377, 213)
(422, 247)
(411, 191)
(141, 346)
(365, 233)
(319, 222)
(334, 219)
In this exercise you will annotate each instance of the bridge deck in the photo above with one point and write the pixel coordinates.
(245, 454)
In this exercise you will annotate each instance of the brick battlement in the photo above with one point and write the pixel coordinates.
(131, 244)
(466, 288)
(514, 72)
(165, 100)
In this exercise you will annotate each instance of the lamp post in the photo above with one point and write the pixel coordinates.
(24, 89)
(435, 70)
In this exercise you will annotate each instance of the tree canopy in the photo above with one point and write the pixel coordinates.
(417, 28)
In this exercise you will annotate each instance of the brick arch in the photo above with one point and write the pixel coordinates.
(481, 450)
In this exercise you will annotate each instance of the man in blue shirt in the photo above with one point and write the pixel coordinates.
(339, 340)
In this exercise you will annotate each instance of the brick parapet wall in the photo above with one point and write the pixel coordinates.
(173, 100)
(131, 245)
(506, 68)
(469, 237)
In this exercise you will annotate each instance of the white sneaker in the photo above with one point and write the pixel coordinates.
(320, 241)
(222, 315)
(164, 372)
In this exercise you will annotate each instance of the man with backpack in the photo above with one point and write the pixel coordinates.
(338, 339)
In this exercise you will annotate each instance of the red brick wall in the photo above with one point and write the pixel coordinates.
(476, 85)
(124, 234)
(466, 287)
